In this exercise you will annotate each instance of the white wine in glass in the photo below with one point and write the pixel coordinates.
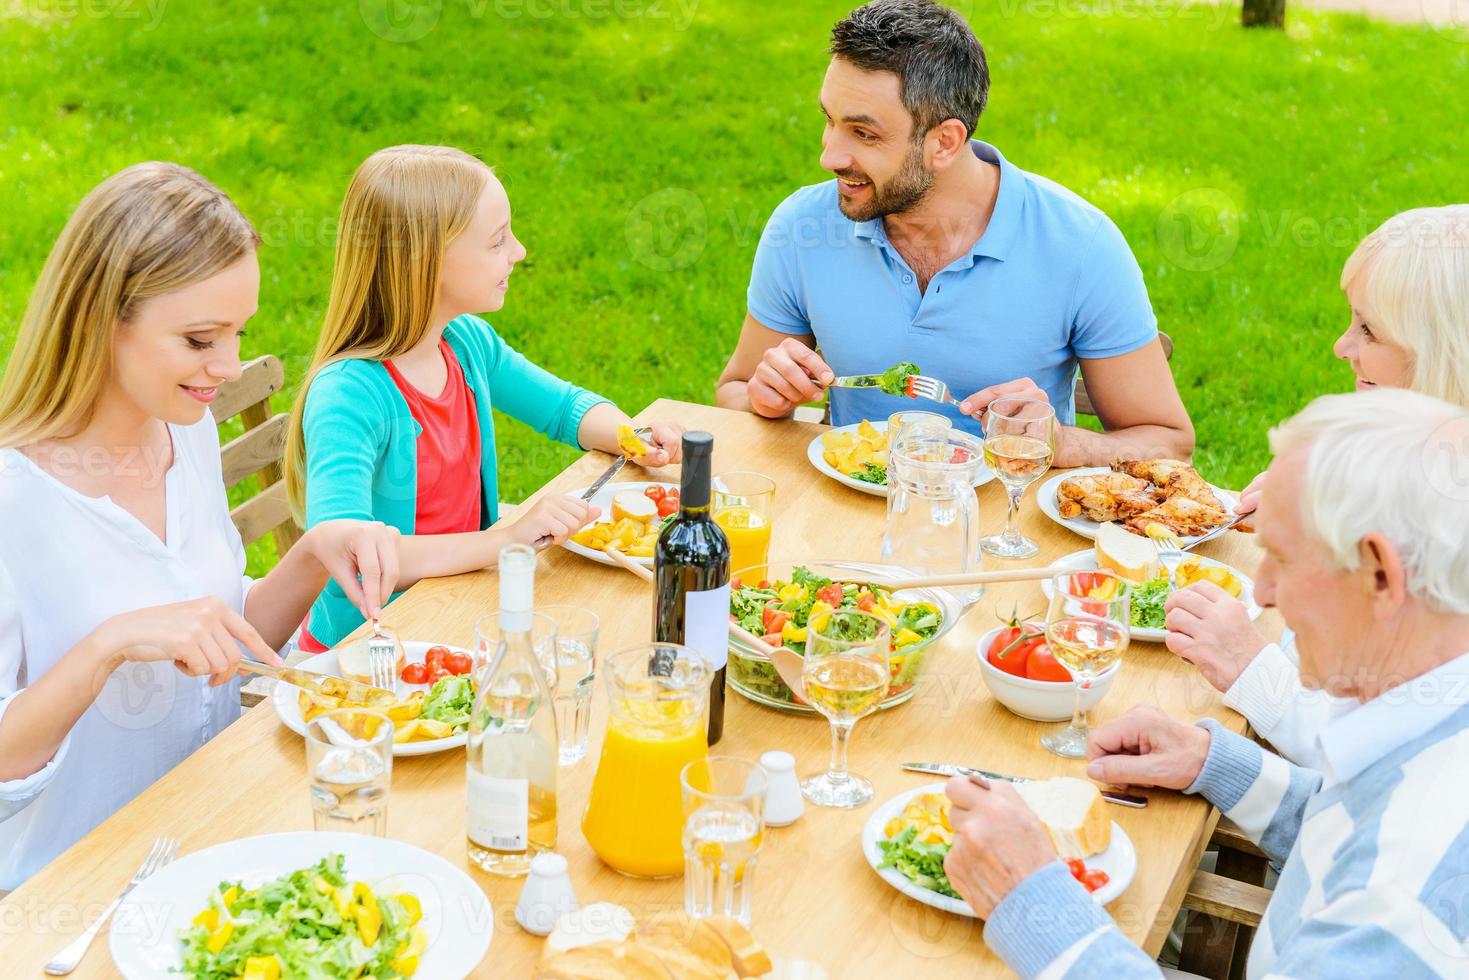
(845, 676)
(1019, 444)
(1088, 629)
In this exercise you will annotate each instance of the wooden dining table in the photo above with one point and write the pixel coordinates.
(815, 897)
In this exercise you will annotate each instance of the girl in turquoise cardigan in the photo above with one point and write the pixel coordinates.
(394, 421)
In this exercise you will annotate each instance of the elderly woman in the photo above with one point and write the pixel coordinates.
(1408, 286)
(1373, 574)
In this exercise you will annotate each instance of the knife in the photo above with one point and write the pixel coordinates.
(324, 684)
(948, 769)
(597, 484)
(857, 381)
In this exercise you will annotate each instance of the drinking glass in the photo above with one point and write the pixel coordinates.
(349, 761)
(932, 511)
(487, 634)
(1019, 442)
(1088, 626)
(724, 826)
(845, 676)
(743, 504)
(574, 672)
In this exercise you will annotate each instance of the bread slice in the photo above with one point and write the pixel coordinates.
(750, 958)
(681, 960)
(631, 503)
(1130, 556)
(604, 961)
(592, 924)
(1073, 812)
(702, 939)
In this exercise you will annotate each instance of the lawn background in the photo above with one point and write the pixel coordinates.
(644, 144)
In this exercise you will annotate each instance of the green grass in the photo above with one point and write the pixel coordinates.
(643, 154)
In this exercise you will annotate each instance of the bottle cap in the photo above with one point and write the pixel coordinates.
(517, 570)
(698, 452)
(775, 761)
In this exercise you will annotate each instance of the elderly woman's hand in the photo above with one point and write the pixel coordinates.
(998, 843)
(1211, 629)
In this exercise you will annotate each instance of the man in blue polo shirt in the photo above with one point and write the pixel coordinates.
(931, 247)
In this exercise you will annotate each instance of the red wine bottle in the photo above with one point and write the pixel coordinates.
(691, 560)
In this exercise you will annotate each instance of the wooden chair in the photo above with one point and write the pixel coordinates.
(822, 413)
(1224, 907)
(258, 451)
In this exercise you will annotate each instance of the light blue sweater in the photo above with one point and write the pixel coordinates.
(362, 441)
(1375, 880)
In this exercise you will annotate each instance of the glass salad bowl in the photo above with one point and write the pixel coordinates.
(918, 618)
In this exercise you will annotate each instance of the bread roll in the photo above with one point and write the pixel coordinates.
(1073, 812)
(603, 961)
(750, 958)
(595, 923)
(696, 934)
(1131, 556)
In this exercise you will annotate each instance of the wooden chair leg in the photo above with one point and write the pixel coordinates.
(1214, 947)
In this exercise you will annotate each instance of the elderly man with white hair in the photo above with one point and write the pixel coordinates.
(1365, 524)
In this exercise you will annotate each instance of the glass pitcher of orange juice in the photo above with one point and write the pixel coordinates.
(659, 696)
(742, 508)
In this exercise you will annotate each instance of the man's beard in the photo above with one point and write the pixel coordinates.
(903, 191)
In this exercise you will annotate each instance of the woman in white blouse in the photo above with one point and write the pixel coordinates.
(124, 608)
(1408, 287)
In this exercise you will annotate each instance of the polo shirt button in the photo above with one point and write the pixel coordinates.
(907, 279)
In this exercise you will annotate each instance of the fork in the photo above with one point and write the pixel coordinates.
(69, 958)
(382, 657)
(922, 386)
(1170, 550)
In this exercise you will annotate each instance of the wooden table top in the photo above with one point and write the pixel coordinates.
(815, 897)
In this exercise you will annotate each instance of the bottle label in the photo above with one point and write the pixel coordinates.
(499, 811)
(706, 624)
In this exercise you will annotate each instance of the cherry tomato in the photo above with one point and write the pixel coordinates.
(866, 601)
(1011, 648)
(1094, 879)
(654, 492)
(1042, 665)
(668, 506)
(458, 663)
(435, 657)
(735, 585)
(436, 674)
(764, 584)
(830, 594)
(774, 619)
(415, 673)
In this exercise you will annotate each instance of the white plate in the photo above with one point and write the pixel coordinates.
(288, 707)
(814, 450)
(1084, 560)
(603, 499)
(1119, 860)
(456, 915)
(1046, 497)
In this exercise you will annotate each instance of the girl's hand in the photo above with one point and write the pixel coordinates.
(202, 637)
(552, 519)
(349, 549)
(665, 445)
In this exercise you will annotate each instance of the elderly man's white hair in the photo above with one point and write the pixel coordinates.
(1396, 463)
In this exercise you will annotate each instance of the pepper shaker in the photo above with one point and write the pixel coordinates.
(546, 896)
(783, 801)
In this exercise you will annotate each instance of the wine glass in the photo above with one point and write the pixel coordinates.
(1087, 628)
(1019, 442)
(845, 676)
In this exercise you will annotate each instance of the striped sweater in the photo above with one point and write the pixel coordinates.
(1375, 852)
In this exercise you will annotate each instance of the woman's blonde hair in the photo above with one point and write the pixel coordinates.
(151, 229)
(1414, 275)
(405, 204)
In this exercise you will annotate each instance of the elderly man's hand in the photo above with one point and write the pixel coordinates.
(1145, 747)
(998, 843)
(1211, 629)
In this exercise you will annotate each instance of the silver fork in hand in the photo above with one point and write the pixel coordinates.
(67, 960)
(1170, 551)
(922, 386)
(382, 658)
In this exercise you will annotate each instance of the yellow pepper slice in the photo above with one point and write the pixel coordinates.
(629, 443)
(209, 919)
(369, 917)
(218, 937)
(412, 907)
(262, 968)
(230, 897)
(906, 637)
(819, 616)
(791, 633)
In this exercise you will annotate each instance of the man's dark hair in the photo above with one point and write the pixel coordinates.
(939, 62)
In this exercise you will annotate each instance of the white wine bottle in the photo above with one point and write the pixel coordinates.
(512, 737)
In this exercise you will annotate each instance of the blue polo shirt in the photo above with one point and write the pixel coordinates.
(1051, 280)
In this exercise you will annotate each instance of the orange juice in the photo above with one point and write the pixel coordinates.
(749, 540)
(634, 818)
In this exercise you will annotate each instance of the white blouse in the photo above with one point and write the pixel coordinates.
(67, 563)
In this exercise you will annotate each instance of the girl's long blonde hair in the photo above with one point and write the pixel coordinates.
(1414, 274)
(403, 206)
(151, 229)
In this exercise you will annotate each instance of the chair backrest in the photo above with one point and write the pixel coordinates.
(1084, 401)
(258, 451)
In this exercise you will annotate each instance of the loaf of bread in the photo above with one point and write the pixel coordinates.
(601, 942)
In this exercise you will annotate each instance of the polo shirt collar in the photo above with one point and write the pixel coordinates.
(1355, 740)
(1004, 224)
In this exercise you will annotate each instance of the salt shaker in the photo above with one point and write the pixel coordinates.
(783, 801)
(546, 896)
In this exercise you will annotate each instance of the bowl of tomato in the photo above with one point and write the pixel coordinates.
(1022, 674)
